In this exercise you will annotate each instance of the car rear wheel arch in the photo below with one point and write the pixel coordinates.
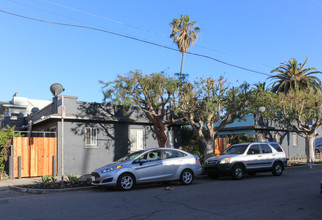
(186, 176)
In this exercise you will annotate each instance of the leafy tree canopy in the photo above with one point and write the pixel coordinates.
(155, 94)
(293, 76)
(209, 105)
(299, 110)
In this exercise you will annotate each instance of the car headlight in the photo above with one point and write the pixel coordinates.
(109, 169)
(226, 160)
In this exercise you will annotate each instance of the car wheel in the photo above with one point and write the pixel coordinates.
(186, 177)
(237, 172)
(277, 169)
(317, 151)
(125, 182)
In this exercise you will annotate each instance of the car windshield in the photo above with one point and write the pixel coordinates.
(236, 149)
(130, 156)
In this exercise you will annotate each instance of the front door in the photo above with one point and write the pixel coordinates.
(254, 157)
(151, 169)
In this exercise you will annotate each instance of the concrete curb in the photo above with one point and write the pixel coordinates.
(43, 191)
(304, 166)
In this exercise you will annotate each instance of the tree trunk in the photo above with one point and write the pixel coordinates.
(181, 70)
(209, 144)
(159, 129)
(309, 147)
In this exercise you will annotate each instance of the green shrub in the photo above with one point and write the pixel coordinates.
(5, 143)
(191, 143)
(45, 181)
(240, 138)
(72, 179)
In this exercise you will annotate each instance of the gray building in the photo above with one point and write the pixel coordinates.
(14, 111)
(90, 135)
(267, 130)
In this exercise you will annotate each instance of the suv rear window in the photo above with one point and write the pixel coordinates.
(277, 147)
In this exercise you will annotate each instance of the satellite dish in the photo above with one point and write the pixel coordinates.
(56, 89)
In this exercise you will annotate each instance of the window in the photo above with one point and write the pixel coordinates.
(90, 137)
(295, 140)
(172, 154)
(236, 149)
(266, 149)
(151, 156)
(254, 149)
(136, 139)
(277, 147)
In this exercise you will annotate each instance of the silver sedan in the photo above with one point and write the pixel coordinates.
(150, 165)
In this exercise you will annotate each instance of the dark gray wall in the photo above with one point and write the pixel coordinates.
(113, 143)
(113, 124)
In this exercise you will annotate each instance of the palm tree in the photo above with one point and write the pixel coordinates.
(184, 34)
(293, 76)
(262, 86)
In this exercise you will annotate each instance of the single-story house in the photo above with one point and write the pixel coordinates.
(267, 130)
(90, 135)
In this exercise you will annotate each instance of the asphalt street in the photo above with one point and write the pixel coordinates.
(294, 195)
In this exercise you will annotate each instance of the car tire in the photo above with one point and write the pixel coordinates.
(277, 169)
(125, 182)
(237, 172)
(186, 177)
(317, 151)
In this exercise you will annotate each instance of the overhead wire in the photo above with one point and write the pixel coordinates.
(142, 29)
(132, 38)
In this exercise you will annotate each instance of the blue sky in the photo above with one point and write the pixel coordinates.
(253, 34)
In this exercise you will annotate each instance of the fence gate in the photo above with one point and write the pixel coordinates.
(36, 154)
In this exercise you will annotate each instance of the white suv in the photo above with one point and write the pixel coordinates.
(249, 158)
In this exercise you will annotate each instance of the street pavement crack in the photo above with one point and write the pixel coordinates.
(143, 216)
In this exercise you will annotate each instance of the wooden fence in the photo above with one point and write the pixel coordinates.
(221, 144)
(36, 156)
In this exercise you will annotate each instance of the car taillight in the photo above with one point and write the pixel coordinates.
(197, 159)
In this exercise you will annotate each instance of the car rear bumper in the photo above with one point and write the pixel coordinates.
(198, 171)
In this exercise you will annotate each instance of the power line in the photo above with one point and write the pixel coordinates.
(141, 29)
(133, 38)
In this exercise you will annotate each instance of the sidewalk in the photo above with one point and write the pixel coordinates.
(18, 185)
(7, 184)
